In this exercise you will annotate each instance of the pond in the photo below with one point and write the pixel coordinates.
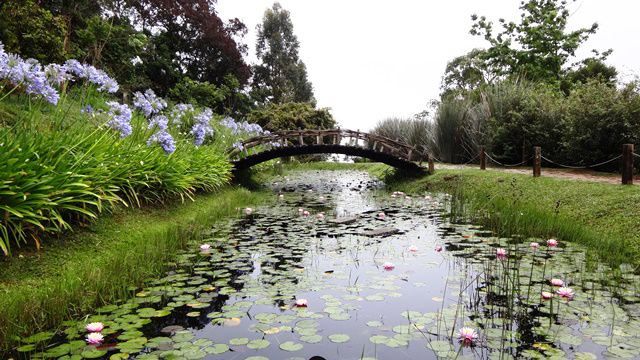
(337, 268)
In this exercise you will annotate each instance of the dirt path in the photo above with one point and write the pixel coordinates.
(573, 174)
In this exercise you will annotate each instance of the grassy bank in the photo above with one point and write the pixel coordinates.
(604, 217)
(98, 265)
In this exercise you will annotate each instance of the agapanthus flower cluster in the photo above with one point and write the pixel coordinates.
(120, 118)
(28, 73)
(179, 111)
(57, 74)
(164, 139)
(202, 126)
(159, 121)
(238, 128)
(148, 102)
(92, 75)
(238, 145)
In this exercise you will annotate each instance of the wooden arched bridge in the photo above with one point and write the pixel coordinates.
(328, 141)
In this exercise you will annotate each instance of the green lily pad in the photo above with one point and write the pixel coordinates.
(339, 338)
(291, 346)
(239, 341)
(258, 344)
(218, 349)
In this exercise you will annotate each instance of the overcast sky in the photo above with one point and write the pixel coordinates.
(372, 59)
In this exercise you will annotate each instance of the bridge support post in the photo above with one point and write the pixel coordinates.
(300, 137)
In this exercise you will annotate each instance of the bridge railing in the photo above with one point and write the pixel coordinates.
(330, 137)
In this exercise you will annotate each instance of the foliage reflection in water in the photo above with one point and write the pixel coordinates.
(355, 284)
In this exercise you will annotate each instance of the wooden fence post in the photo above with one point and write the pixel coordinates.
(483, 159)
(627, 164)
(537, 161)
(431, 166)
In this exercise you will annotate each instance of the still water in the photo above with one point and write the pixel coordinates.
(382, 275)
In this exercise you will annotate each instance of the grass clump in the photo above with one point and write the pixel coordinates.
(101, 264)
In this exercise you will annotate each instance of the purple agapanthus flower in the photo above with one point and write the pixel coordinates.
(159, 121)
(92, 75)
(238, 145)
(166, 141)
(179, 112)
(202, 126)
(27, 73)
(148, 102)
(57, 74)
(120, 118)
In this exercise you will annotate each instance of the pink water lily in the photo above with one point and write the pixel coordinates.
(413, 248)
(546, 295)
(205, 247)
(438, 248)
(552, 243)
(302, 302)
(566, 293)
(95, 338)
(557, 282)
(381, 215)
(94, 327)
(534, 245)
(467, 335)
(501, 253)
(248, 211)
(305, 213)
(388, 266)
(320, 216)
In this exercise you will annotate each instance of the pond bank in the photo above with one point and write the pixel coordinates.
(100, 264)
(604, 217)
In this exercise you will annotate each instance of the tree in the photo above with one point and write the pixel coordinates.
(290, 116)
(32, 31)
(281, 76)
(188, 38)
(538, 48)
(466, 73)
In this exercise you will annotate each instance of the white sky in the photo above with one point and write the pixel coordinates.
(372, 59)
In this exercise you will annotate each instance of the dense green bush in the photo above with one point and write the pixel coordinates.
(292, 116)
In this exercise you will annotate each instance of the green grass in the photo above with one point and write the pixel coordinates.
(98, 265)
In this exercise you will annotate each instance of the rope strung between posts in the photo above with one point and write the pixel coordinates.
(506, 165)
(468, 162)
(636, 155)
(582, 167)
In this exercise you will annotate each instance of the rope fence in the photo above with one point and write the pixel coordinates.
(626, 159)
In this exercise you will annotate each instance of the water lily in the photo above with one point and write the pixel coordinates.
(305, 213)
(557, 282)
(394, 195)
(566, 292)
(534, 245)
(467, 335)
(300, 210)
(281, 196)
(546, 295)
(381, 215)
(95, 338)
(320, 216)
(413, 248)
(302, 302)
(552, 243)
(205, 247)
(248, 211)
(427, 197)
(438, 248)
(94, 327)
(388, 266)
(501, 253)
(321, 198)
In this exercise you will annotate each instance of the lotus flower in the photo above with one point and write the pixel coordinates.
(552, 243)
(438, 248)
(413, 248)
(248, 211)
(501, 253)
(566, 292)
(205, 247)
(94, 327)
(301, 302)
(467, 336)
(557, 282)
(95, 338)
(546, 295)
(305, 213)
(381, 215)
(534, 245)
(388, 266)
